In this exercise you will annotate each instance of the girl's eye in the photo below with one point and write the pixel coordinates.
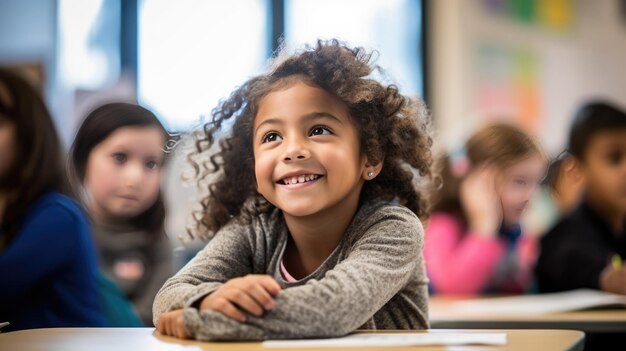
(270, 137)
(520, 182)
(320, 130)
(615, 158)
(120, 158)
(151, 164)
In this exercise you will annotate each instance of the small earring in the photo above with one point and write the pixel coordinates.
(370, 174)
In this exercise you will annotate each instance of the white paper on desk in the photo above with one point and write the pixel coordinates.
(394, 339)
(540, 303)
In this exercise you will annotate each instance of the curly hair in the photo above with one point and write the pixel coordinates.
(392, 128)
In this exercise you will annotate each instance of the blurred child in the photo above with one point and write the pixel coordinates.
(564, 182)
(474, 242)
(116, 159)
(585, 248)
(559, 193)
(315, 210)
(48, 266)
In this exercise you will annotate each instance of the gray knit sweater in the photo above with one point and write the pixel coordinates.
(374, 279)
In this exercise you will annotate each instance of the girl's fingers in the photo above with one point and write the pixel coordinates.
(175, 330)
(181, 332)
(245, 301)
(270, 285)
(167, 326)
(228, 309)
(160, 326)
(252, 293)
(261, 296)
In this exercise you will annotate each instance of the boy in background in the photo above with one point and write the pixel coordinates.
(584, 249)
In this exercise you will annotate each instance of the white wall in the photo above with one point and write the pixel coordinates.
(586, 61)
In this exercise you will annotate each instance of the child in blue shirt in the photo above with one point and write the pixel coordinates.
(48, 267)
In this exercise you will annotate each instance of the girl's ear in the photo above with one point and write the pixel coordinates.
(371, 171)
(573, 171)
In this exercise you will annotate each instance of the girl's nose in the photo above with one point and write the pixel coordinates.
(133, 175)
(297, 155)
(296, 150)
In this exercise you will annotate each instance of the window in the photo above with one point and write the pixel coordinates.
(393, 27)
(89, 43)
(192, 53)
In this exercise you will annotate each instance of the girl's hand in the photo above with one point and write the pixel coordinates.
(480, 201)
(252, 293)
(172, 324)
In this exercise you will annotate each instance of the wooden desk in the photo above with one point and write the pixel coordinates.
(139, 339)
(596, 321)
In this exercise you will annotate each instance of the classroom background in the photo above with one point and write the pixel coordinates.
(530, 62)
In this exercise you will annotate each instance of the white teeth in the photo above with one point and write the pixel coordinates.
(300, 179)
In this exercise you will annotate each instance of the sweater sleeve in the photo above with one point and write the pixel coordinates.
(44, 246)
(228, 255)
(379, 265)
(459, 263)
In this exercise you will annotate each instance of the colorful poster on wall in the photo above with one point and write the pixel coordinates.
(554, 15)
(507, 85)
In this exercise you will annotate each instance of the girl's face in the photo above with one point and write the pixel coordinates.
(123, 172)
(604, 169)
(8, 144)
(516, 185)
(306, 151)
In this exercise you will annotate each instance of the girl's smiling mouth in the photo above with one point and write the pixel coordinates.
(299, 180)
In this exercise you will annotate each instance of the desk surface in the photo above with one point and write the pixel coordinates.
(442, 315)
(122, 339)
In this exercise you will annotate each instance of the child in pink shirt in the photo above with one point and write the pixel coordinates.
(474, 243)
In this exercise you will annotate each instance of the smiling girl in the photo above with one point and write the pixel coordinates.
(474, 243)
(314, 213)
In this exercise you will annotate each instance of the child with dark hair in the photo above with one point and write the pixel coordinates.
(564, 184)
(48, 266)
(116, 163)
(584, 249)
(314, 211)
